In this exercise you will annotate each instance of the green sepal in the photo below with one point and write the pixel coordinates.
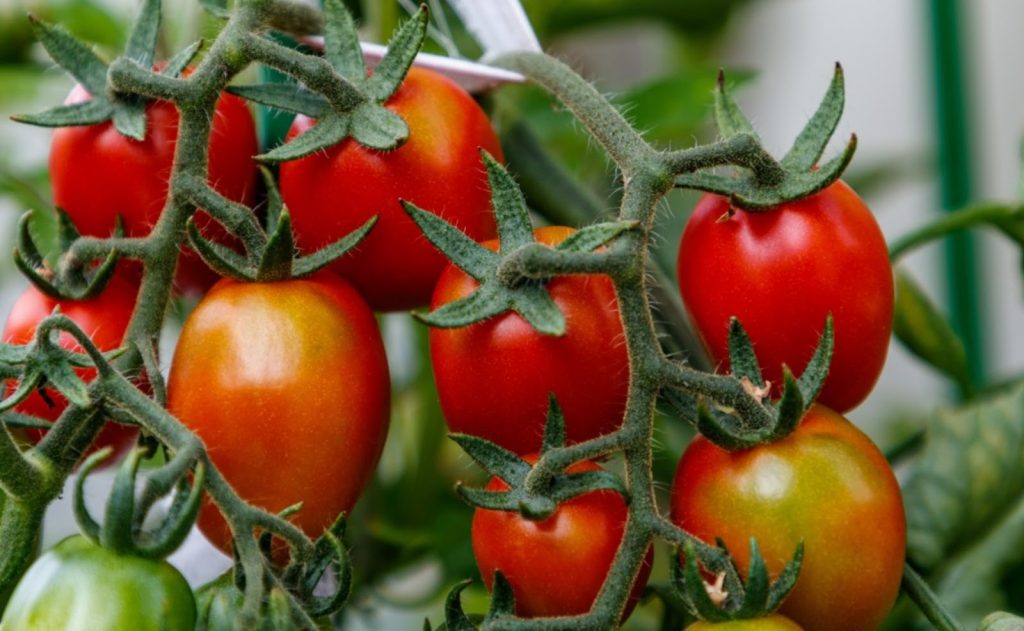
(591, 237)
(455, 619)
(177, 64)
(554, 426)
(129, 118)
(791, 407)
(742, 358)
(326, 255)
(17, 420)
(756, 587)
(687, 579)
(330, 129)
(72, 55)
(728, 116)
(810, 144)
(465, 253)
(341, 41)
(377, 127)
(90, 527)
(77, 283)
(510, 212)
(59, 374)
(141, 47)
(289, 97)
(813, 377)
(178, 522)
(219, 258)
(786, 580)
(495, 459)
(275, 261)
(401, 51)
(337, 555)
(503, 601)
(89, 112)
(926, 333)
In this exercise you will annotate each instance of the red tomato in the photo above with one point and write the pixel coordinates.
(556, 567)
(331, 193)
(287, 385)
(98, 174)
(767, 623)
(781, 272)
(104, 318)
(826, 485)
(494, 377)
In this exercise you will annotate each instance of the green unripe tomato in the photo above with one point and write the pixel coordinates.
(773, 622)
(80, 586)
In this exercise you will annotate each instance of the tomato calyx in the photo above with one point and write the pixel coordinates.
(271, 255)
(121, 531)
(770, 182)
(126, 111)
(534, 492)
(350, 103)
(728, 597)
(722, 424)
(505, 283)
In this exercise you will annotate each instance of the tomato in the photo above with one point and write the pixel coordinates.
(97, 174)
(556, 567)
(331, 193)
(287, 385)
(104, 318)
(494, 377)
(79, 586)
(781, 272)
(768, 623)
(826, 485)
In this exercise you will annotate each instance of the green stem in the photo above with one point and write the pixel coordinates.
(918, 591)
(951, 223)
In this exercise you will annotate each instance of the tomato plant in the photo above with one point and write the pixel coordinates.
(104, 318)
(287, 384)
(555, 566)
(782, 272)
(80, 585)
(825, 485)
(333, 192)
(768, 623)
(494, 377)
(97, 174)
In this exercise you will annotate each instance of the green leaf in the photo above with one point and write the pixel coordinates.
(341, 41)
(730, 118)
(811, 143)
(290, 97)
(377, 127)
(74, 56)
(926, 333)
(141, 46)
(402, 49)
(969, 476)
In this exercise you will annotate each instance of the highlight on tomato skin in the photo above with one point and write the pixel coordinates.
(556, 566)
(782, 272)
(494, 377)
(331, 193)
(287, 385)
(98, 175)
(104, 318)
(826, 485)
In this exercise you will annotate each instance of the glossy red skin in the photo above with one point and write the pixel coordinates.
(105, 319)
(97, 174)
(781, 273)
(827, 485)
(774, 622)
(556, 567)
(331, 193)
(287, 385)
(494, 377)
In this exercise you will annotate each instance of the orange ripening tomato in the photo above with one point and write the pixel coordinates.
(556, 567)
(494, 377)
(826, 485)
(104, 318)
(331, 193)
(287, 385)
(782, 272)
(768, 623)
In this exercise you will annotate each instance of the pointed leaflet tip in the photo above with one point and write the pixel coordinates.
(755, 590)
(402, 49)
(141, 46)
(554, 428)
(510, 213)
(486, 302)
(290, 97)
(179, 62)
(72, 55)
(742, 358)
(306, 265)
(88, 112)
(814, 374)
(329, 130)
(730, 118)
(503, 601)
(341, 41)
(497, 460)
(276, 258)
(786, 580)
(811, 143)
(455, 618)
(464, 252)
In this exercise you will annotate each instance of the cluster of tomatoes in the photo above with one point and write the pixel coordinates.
(295, 370)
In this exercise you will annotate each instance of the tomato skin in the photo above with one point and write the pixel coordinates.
(79, 586)
(774, 622)
(287, 385)
(494, 377)
(104, 318)
(331, 193)
(556, 567)
(781, 272)
(827, 485)
(97, 174)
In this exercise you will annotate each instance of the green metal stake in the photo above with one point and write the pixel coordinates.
(963, 274)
